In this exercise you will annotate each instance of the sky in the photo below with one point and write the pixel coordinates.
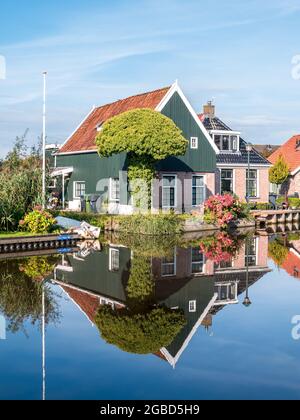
(243, 55)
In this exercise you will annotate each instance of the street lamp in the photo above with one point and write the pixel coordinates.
(247, 302)
(249, 150)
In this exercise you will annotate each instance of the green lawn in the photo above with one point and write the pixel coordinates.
(14, 234)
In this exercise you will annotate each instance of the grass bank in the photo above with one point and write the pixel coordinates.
(149, 224)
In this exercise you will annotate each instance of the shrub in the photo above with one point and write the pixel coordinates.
(20, 184)
(222, 209)
(279, 171)
(159, 224)
(292, 201)
(140, 333)
(38, 221)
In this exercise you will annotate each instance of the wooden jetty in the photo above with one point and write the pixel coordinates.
(31, 245)
(264, 218)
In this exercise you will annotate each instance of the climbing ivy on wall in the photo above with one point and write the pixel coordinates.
(147, 136)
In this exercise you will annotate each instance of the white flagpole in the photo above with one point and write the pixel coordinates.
(44, 143)
(44, 342)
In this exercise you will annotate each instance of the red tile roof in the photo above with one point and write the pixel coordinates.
(292, 265)
(84, 137)
(290, 152)
(88, 303)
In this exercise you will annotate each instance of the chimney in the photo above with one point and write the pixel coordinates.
(209, 109)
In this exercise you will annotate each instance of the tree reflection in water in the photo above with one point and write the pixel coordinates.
(21, 291)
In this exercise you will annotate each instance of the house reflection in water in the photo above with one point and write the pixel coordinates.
(184, 279)
(285, 251)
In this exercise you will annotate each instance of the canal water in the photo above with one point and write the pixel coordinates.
(170, 318)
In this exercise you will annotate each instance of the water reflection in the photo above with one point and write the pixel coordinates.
(147, 297)
(151, 296)
(284, 250)
(21, 292)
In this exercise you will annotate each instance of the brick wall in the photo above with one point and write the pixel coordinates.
(239, 181)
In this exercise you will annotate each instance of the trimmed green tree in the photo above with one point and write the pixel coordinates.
(147, 136)
(279, 173)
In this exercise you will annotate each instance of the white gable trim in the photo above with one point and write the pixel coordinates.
(174, 360)
(76, 129)
(168, 96)
(295, 171)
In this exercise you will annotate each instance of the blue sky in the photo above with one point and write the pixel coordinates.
(238, 53)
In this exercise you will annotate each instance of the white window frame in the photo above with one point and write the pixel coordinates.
(230, 134)
(74, 189)
(174, 264)
(205, 188)
(175, 193)
(257, 183)
(111, 259)
(197, 273)
(256, 240)
(228, 285)
(114, 200)
(233, 179)
(192, 306)
(52, 183)
(194, 143)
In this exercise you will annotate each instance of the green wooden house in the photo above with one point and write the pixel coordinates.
(182, 183)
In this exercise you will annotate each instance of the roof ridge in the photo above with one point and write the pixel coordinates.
(133, 96)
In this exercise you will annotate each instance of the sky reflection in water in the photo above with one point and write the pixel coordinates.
(224, 349)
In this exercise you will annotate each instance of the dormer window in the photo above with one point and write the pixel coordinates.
(226, 141)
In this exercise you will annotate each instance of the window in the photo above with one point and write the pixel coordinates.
(52, 183)
(198, 190)
(251, 253)
(194, 142)
(168, 266)
(227, 292)
(114, 259)
(197, 261)
(224, 265)
(192, 306)
(115, 189)
(226, 181)
(251, 181)
(227, 142)
(79, 189)
(218, 141)
(234, 143)
(169, 191)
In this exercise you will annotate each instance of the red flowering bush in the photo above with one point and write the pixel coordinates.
(220, 248)
(222, 209)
